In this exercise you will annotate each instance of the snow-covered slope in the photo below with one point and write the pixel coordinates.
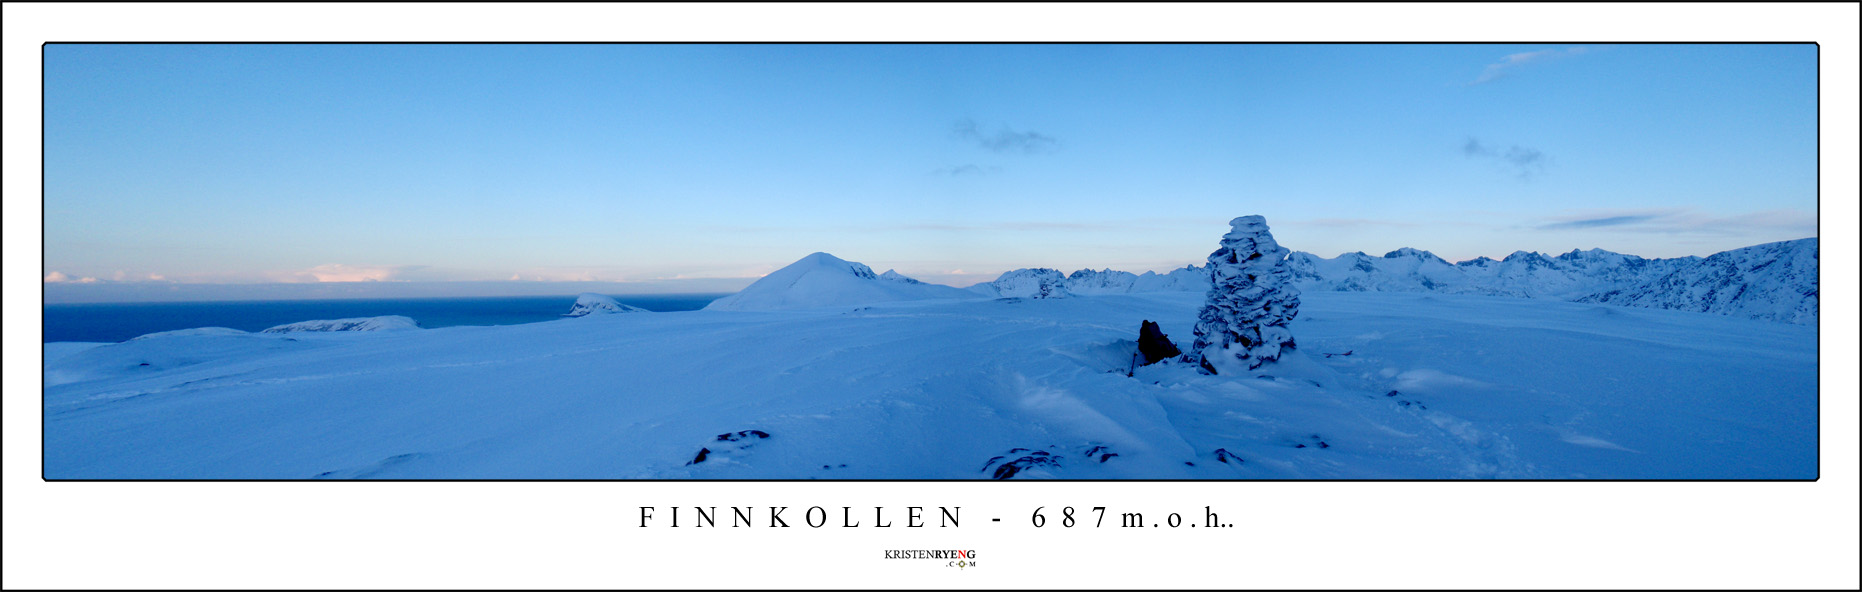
(1773, 281)
(590, 303)
(1383, 385)
(821, 280)
(387, 323)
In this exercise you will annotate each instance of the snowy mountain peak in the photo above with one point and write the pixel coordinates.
(1527, 258)
(1418, 254)
(591, 303)
(830, 262)
(821, 280)
(1189, 278)
(1106, 281)
(384, 323)
(1031, 283)
(895, 276)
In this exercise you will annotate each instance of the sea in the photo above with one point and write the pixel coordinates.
(115, 322)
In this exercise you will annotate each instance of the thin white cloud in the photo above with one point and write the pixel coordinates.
(337, 272)
(1683, 221)
(1522, 161)
(967, 170)
(1513, 62)
(1005, 139)
(59, 277)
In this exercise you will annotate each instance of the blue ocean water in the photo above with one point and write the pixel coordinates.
(123, 321)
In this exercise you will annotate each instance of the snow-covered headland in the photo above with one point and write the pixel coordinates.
(387, 323)
(826, 370)
(597, 304)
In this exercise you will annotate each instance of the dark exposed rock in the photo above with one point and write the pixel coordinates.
(1035, 459)
(736, 442)
(1222, 454)
(1154, 345)
(1023, 459)
(759, 434)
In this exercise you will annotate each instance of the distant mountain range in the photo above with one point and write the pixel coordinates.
(1772, 281)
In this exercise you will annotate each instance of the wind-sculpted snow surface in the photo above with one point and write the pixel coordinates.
(591, 303)
(821, 279)
(1251, 300)
(1383, 386)
(387, 323)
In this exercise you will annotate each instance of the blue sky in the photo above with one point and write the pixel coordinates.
(650, 165)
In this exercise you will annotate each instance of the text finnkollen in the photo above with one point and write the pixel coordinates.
(813, 517)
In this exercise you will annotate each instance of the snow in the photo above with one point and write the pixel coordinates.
(821, 279)
(590, 303)
(384, 323)
(1436, 386)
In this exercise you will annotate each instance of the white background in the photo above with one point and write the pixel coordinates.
(1286, 535)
